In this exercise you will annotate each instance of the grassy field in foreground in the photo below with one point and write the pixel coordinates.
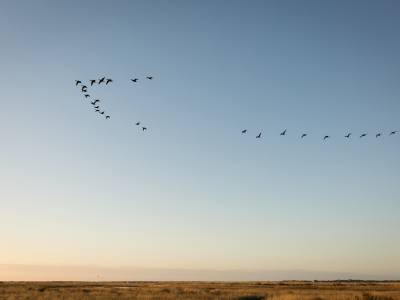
(285, 290)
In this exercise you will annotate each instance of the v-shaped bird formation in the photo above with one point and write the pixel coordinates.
(97, 102)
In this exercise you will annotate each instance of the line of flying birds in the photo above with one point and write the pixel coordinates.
(107, 81)
(348, 135)
(95, 103)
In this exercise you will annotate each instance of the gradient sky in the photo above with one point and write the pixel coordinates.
(192, 192)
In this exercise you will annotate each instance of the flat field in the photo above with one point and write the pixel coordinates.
(284, 290)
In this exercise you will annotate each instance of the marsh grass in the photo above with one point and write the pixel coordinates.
(296, 290)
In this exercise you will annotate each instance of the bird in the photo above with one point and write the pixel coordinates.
(95, 101)
(102, 112)
(244, 131)
(109, 80)
(363, 135)
(97, 110)
(87, 95)
(84, 88)
(258, 136)
(107, 117)
(283, 132)
(326, 137)
(137, 123)
(102, 80)
(393, 132)
(97, 107)
(144, 128)
(77, 82)
(92, 82)
(149, 77)
(378, 135)
(348, 135)
(303, 135)
(134, 80)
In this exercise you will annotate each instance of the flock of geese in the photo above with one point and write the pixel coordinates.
(348, 135)
(96, 102)
(103, 80)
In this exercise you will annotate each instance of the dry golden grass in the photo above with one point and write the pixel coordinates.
(289, 290)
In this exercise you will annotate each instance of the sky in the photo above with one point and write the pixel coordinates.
(192, 193)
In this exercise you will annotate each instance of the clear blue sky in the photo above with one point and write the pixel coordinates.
(192, 192)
